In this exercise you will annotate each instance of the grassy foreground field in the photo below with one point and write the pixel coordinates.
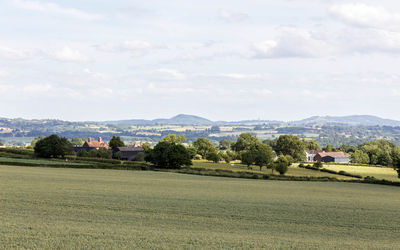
(92, 209)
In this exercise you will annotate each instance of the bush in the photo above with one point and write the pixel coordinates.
(301, 165)
(318, 164)
(213, 156)
(281, 165)
(139, 157)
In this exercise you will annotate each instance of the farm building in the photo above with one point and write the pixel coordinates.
(310, 154)
(95, 144)
(338, 157)
(127, 153)
(92, 145)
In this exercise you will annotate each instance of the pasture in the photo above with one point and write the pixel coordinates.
(293, 170)
(377, 172)
(82, 208)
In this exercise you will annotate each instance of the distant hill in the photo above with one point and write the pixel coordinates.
(181, 119)
(365, 120)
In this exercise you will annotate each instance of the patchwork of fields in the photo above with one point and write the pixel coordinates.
(83, 208)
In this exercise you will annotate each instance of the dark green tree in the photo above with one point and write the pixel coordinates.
(116, 142)
(213, 156)
(225, 144)
(311, 144)
(290, 145)
(244, 142)
(53, 146)
(360, 157)
(263, 155)
(169, 155)
(396, 160)
(328, 148)
(247, 157)
(204, 147)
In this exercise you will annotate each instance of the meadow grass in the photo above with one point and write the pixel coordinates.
(38, 162)
(377, 172)
(294, 170)
(50, 208)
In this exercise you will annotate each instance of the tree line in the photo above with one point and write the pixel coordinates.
(171, 152)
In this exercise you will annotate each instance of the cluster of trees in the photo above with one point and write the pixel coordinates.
(53, 146)
(380, 152)
(171, 153)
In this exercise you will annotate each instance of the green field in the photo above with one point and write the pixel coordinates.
(377, 172)
(292, 171)
(96, 209)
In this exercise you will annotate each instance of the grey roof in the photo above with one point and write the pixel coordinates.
(130, 149)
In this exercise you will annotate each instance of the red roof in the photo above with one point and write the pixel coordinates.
(95, 144)
(333, 154)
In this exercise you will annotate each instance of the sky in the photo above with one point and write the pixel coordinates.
(221, 59)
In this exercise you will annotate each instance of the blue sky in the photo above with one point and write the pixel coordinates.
(224, 59)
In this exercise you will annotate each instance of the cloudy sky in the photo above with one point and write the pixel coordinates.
(221, 59)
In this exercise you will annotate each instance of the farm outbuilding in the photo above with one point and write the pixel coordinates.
(338, 157)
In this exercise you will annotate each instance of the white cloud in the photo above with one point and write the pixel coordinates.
(232, 16)
(134, 47)
(68, 54)
(37, 88)
(365, 15)
(170, 74)
(241, 76)
(54, 9)
(291, 43)
(14, 54)
(396, 92)
(4, 73)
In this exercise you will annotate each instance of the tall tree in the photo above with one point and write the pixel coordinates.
(244, 142)
(360, 157)
(290, 145)
(328, 148)
(311, 144)
(263, 154)
(116, 142)
(169, 155)
(53, 146)
(173, 138)
(204, 147)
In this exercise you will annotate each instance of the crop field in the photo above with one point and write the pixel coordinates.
(364, 171)
(96, 209)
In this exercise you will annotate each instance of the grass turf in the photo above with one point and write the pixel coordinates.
(80, 208)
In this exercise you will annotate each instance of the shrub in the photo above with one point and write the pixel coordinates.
(281, 165)
(301, 165)
(213, 156)
(139, 157)
(318, 164)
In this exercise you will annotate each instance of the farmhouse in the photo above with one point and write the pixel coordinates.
(127, 153)
(339, 157)
(92, 145)
(95, 144)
